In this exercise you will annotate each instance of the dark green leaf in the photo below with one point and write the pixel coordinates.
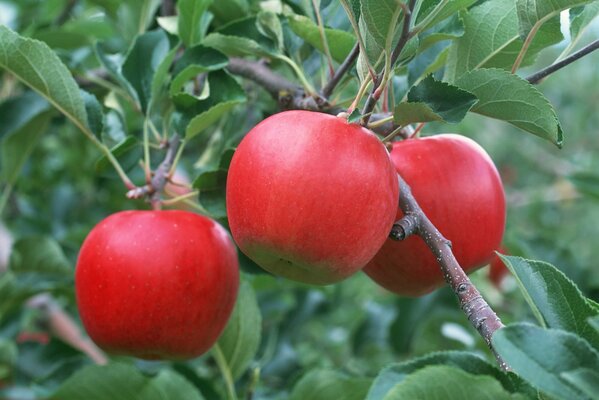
(144, 58)
(127, 153)
(240, 340)
(433, 100)
(39, 254)
(586, 183)
(230, 10)
(340, 42)
(508, 97)
(194, 61)
(212, 186)
(190, 17)
(381, 19)
(124, 382)
(580, 19)
(18, 111)
(541, 356)
(554, 298)
(95, 115)
(269, 25)
(326, 384)
(442, 10)
(113, 64)
(241, 38)
(225, 93)
(584, 379)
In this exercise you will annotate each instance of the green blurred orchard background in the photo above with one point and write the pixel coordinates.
(354, 326)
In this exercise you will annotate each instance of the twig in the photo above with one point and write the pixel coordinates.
(160, 178)
(537, 76)
(61, 325)
(415, 221)
(341, 71)
(66, 12)
(168, 8)
(375, 94)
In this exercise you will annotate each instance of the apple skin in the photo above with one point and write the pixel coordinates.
(156, 284)
(458, 187)
(311, 197)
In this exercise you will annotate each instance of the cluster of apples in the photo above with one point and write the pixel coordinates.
(310, 197)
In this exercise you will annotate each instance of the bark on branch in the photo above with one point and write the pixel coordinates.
(415, 221)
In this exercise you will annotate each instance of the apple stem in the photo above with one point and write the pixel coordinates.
(479, 313)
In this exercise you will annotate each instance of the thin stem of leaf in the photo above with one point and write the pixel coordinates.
(526, 44)
(431, 16)
(219, 357)
(323, 37)
(177, 157)
(380, 122)
(298, 71)
(177, 199)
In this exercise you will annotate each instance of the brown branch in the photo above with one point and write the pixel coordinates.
(376, 92)
(260, 73)
(415, 221)
(61, 325)
(161, 176)
(341, 71)
(537, 76)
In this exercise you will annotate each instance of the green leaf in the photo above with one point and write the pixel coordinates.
(444, 382)
(39, 253)
(594, 322)
(269, 25)
(127, 152)
(135, 16)
(17, 146)
(491, 39)
(541, 356)
(584, 379)
(586, 182)
(433, 100)
(554, 298)
(113, 64)
(340, 42)
(95, 115)
(240, 340)
(241, 38)
(327, 384)
(442, 10)
(161, 77)
(470, 363)
(505, 96)
(194, 61)
(381, 19)
(531, 12)
(18, 111)
(212, 186)
(580, 19)
(38, 67)
(190, 18)
(142, 62)
(230, 10)
(124, 382)
(225, 93)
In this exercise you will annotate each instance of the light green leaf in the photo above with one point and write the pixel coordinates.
(135, 16)
(39, 253)
(584, 379)
(269, 25)
(581, 18)
(491, 39)
(433, 100)
(340, 42)
(230, 10)
(542, 356)
(554, 298)
(444, 382)
(240, 340)
(434, 11)
(504, 96)
(124, 382)
(142, 62)
(38, 67)
(190, 18)
(531, 12)
(242, 38)
(470, 363)
(380, 19)
(169, 23)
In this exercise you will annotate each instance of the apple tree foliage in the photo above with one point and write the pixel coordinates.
(87, 85)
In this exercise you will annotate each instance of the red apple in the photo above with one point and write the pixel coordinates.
(459, 189)
(156, 284)
(311, 197)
